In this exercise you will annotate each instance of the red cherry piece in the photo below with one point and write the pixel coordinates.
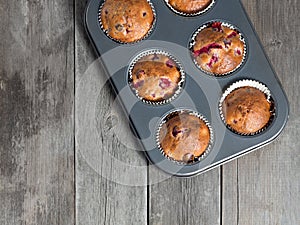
(138, 84)
(227, 43)
(164, 83)
(175, 131)
(207, 48)
(202, 50)
(140, 73)
(238, 52)
(217, 26)
(213, 60)
(170, 63)
(183, 131)
(233, 34)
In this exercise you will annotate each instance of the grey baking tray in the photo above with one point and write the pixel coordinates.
(201, 92)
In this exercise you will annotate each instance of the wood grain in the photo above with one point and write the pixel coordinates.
(106, 193)
(190, 201)
(42, 46)
(263, 187)
(36, 108)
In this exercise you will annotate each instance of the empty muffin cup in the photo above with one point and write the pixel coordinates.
(218, 48)
(156, 77)
(127, 21)
(184, 136)
(247, 107)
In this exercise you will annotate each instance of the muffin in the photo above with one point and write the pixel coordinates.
(218, 49)
(184, 137)
(127, 21)
(246, 110)
(155, 77)
(189, 6)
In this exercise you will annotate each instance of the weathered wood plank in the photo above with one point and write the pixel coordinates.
(190, 201)
(263, 187)
(111, 177)
(36, 106)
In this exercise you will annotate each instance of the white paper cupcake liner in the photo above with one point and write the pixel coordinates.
(248, 83)
(158, 52)
(193, 42)
(127, 43)
(190, 112)
(190, 14)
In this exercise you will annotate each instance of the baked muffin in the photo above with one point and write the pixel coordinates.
(155, 77)
(246, 110)
(127, 20)
(184, 137)
(189, 6)
(218, 49)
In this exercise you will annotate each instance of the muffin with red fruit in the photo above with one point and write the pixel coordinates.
(156, 77)
(218, 49)
(184, 137)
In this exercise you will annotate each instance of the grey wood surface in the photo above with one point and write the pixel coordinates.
(106, 193)
(36, 112)
(45, 57)
(263, 187)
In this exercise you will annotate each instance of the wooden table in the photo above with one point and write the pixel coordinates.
(46, 97)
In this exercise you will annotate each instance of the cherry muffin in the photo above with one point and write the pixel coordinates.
(184, 137)
(218, 49)
(156, 77)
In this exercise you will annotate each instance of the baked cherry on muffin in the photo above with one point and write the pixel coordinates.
(246, 110)
(218, 49)
(156, 77)
(127, 20)
(189, 6)
(184, 137)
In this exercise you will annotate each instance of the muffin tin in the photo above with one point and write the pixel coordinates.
(201, 93)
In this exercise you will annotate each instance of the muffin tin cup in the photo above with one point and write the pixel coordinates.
(127, 43)
(190, 112)
(226, 24)
(190, 14)
(200, 92)
(158, 52)
(248, 83)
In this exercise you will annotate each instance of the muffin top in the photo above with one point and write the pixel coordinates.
(127, 20)
(189, 6)
(184, 137)
(246, 110)
(218, 49)
(155, 77)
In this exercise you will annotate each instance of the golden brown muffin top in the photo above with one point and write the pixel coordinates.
(218, 49)
(127, 20)
(155, 77)
(246, 110)
(189, 6)
(184, 137)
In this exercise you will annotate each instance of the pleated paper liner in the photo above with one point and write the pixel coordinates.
(209, 24)
(179, 84)
(248, 83)
(134, 42)
(196, 13)
(177, 112)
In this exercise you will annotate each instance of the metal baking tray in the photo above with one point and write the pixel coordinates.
(201, 92)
